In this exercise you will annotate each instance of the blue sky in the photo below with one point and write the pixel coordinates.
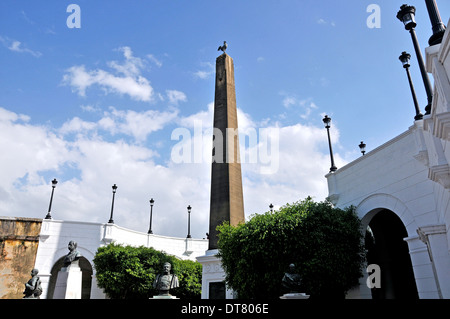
(98, 105)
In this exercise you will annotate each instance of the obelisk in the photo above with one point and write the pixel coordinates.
(227, 203)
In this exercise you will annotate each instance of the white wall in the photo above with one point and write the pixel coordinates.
(56, 234)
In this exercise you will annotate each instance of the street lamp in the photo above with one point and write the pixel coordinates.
(151, 215)
(327, 121)
(362, 147)
(49, 215)
(189, 222)
(436, 23)
(404, 58)
(114, 188)
(271, 208)
(407, 16)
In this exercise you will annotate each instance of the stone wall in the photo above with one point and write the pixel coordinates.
(19, 240)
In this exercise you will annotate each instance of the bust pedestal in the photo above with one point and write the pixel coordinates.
(68, 282)
(295, 295)
(164, 297)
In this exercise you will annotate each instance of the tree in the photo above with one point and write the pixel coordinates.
(325, 244)
(126, 272)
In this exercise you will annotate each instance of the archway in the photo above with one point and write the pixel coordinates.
(86, 283)
(386, 248)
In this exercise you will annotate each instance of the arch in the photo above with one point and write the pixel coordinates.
(86, 283)
(375, 203)
(61, 252)
(388, 219)
(386, 248)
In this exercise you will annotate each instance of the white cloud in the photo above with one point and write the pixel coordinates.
(8, 116)
(135, 124)
(131, 67)
(129, 82)
(206, 71)
(77, 125)
(89, 108)
(153, 59)
(17, 46)
(175, 96)
(87, 165)
(140, 124)
(305, 105)
(289, 100)
(324, 22)
(28, 149)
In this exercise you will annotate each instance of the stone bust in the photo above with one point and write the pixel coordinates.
(165, 281)
(73, 254)
(291, 280)
(33, 287)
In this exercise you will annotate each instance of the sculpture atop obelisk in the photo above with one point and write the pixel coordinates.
(227, 202)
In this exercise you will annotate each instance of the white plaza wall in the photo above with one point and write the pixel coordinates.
(56, 234)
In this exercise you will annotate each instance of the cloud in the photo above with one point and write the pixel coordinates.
(206, 71)
(288, 101)
(17, 46)
(28, 149)
(292, 102)
(175, 96)
(135, 124)
(86, 167)
(131, 67)
(324, 22)
(152, 58)
(129, 81)
(87, 163)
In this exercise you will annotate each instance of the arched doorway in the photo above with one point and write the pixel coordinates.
(86, 283)
(386, 248)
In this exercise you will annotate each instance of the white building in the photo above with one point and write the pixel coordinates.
(55, 236)
(401, 191)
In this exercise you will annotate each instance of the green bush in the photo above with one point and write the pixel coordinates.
(323, 242)
(126, 272)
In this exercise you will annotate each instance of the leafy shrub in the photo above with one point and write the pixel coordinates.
(126, 272)
(325, 244)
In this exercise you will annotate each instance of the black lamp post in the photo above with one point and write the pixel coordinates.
(271, 208)
(327, 121)
(114, 188)
(49, 215)
(406, 15)
(189, 222)
(404, 58)
(436, 23)
(362, 147)
(151, 216)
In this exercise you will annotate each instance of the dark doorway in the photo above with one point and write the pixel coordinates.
(217, 290)
(386, 248)
(86, 282)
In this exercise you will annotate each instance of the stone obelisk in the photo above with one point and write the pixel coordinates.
(227, 203)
